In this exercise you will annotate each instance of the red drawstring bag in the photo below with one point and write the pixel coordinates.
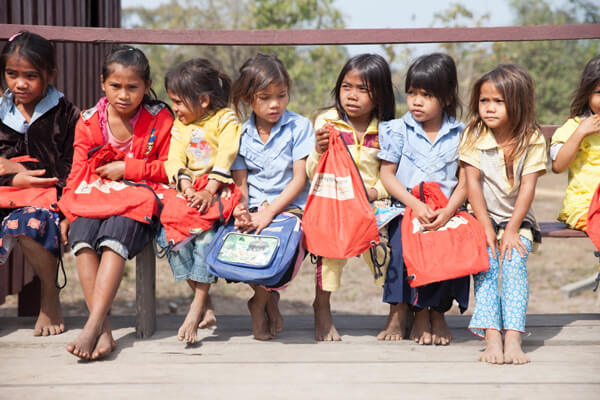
(593, 221)
(95, 197)
(338, 220)
(13, 197)
(178, 218)
(457, 249)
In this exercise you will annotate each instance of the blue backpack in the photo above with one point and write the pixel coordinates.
(271, 259)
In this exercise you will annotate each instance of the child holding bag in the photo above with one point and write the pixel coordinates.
(363, 97)
(422, 146)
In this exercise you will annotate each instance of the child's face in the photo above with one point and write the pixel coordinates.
(27, 84)
(492, 109)
(186, 113)
(594, 100)
(355, 97)
(124, 89)
(424, 106)
(269, 104)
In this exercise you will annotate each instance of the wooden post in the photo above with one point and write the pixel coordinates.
(29, 299)
(145, 296)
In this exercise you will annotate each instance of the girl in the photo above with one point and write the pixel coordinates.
(363, 96)
(204, 140)
(576, 146)
(422, 146)
(503, 153)
(270, 167)
(36, 121)
(129, 122)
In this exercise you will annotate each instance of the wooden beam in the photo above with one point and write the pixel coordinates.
(307, 36)
(145, 292)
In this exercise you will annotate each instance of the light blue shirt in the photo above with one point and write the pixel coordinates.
(404, 142)
(270, 164)
(12, 117)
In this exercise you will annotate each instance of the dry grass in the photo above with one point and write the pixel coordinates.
(557, 263)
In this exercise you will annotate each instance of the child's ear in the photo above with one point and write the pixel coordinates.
(204, 101)
(148, 86)
(102, 82)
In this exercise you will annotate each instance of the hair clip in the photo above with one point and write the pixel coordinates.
(10, 39)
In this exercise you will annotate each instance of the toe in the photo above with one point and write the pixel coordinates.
(37, 332)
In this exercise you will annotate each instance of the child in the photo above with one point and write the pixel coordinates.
(204, 140)
(422, 146)
(576, 145)
(503, 153)
(363, 97)
(270, 167)
(121, 121)
(36, 121)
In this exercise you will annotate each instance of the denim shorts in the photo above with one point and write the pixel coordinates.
(189, 261)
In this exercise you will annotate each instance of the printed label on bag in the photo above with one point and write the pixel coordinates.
(332, 187)
(452, 223)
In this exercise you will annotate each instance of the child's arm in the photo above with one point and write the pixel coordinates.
(477, 201)
(511, 238)
(569, 150)
(387, 175)
(458, 197)
(263, 218)
(242, 217)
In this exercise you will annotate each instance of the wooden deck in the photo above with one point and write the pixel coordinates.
(229, 364)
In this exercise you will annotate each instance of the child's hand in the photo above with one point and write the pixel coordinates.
(31, 179)
(441, 216)
(243, 219)
(202, 200)
(372, 194)
(490, 237)
(424, 213)
(113, 170)
(589, 125)
(64, 231)
(261, 219)
(511, 239)
(10, 167)
(321, 140)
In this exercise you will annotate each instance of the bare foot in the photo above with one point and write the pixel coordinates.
(421, 329)
(50, 321)
(324, 329)
(209, 319)
(84, 344)
(513, 353)
(260, 325)
(273, 314)
(493, 347)
(440, 333)
(188, 332)
(396, 323)
(106, 344)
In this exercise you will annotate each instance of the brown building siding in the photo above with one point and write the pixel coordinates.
(79, 64)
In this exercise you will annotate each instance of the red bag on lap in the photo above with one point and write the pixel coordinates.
(593, 222)
(338, 221)
(13, 197)
(457, 249)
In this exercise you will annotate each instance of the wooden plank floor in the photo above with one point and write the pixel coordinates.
(229, 364)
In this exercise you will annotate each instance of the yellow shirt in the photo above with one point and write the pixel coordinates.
(364, 152)
(208, 145)
(500, 197)
(584, 173)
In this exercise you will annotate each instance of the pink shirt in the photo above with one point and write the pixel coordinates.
(122, 145)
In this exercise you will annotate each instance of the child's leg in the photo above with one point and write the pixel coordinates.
(273, 314)
(440, 333)
(487, 315)
(107, 281)
(257, 306)
(329, 273)
(50, 321)
(188, 331)
(395, 326)
(421, 329)
(515, 296)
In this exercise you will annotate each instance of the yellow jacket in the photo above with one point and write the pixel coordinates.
(364, 152)
(208, 145)
(584, 173)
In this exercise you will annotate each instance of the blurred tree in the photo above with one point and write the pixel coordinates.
(313, 69)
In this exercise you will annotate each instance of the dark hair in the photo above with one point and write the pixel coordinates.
(131, 57)
(193, 78)
(589, 80)
(256, 74)
(517, 88)
(376, 75)
(436, 74)
(35, 49)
